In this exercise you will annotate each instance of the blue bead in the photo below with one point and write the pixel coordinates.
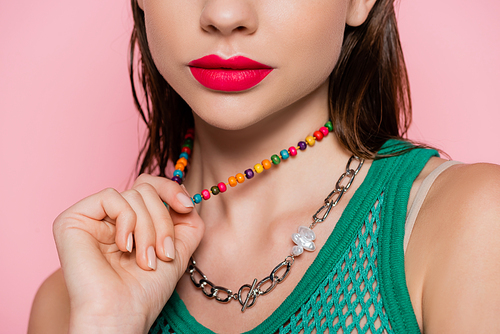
(178, 173)
(284, 154)
(184, 155)
(197, 198)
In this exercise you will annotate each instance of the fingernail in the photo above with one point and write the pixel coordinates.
(185, 190)
(151, 258)
(130, 241)
(185, 200)
(168, 247)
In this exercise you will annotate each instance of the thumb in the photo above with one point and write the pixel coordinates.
(189, 229)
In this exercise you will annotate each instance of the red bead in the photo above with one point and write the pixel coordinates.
(188, 136)
(205, 194)
(324, 131)
(318, 135)
(293, 151)
(190, 131)
(186, 149)
(222, 187)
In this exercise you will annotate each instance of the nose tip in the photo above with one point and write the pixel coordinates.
(229, 16)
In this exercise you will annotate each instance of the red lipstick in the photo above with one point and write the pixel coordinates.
(229, 75)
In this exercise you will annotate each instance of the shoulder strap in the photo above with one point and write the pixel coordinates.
(420, 197)
(405, 169)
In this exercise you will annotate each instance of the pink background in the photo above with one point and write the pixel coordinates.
(68, 127)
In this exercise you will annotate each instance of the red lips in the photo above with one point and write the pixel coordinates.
(230, 75)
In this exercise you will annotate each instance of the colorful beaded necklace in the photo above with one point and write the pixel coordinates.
(304, 239)
(187, 146)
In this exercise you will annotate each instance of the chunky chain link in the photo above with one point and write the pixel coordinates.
(343, 184)
(257, 288)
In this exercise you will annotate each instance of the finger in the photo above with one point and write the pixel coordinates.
(144, 232)
(169, 191)
(89, 213)
(161, 219)
(189, 229)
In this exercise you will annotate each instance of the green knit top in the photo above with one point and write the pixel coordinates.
(357, 281)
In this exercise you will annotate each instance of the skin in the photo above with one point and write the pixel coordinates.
(99, 276)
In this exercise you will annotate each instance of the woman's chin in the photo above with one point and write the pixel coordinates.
(232, 120)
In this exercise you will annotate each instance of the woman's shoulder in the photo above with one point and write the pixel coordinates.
(468, 195)
(51, 307)
(455, 250)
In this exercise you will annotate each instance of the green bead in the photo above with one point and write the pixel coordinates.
(329, 126)
(275, 159)
(190, 145)
(188, 141)
(215, 190)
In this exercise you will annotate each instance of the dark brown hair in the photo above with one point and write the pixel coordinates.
(369, 91)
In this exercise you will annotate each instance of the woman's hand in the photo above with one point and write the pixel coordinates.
(112, 284)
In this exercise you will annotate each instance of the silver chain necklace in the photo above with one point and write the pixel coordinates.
(304, 240)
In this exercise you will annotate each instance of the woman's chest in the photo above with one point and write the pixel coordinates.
(316, 296)
(256, 296)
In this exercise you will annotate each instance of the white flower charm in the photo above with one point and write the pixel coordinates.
(304, 240)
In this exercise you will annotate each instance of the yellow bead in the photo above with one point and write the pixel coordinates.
(232, 181)
(258, 168)
(310, 140)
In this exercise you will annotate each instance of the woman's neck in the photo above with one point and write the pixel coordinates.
(300, 182)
